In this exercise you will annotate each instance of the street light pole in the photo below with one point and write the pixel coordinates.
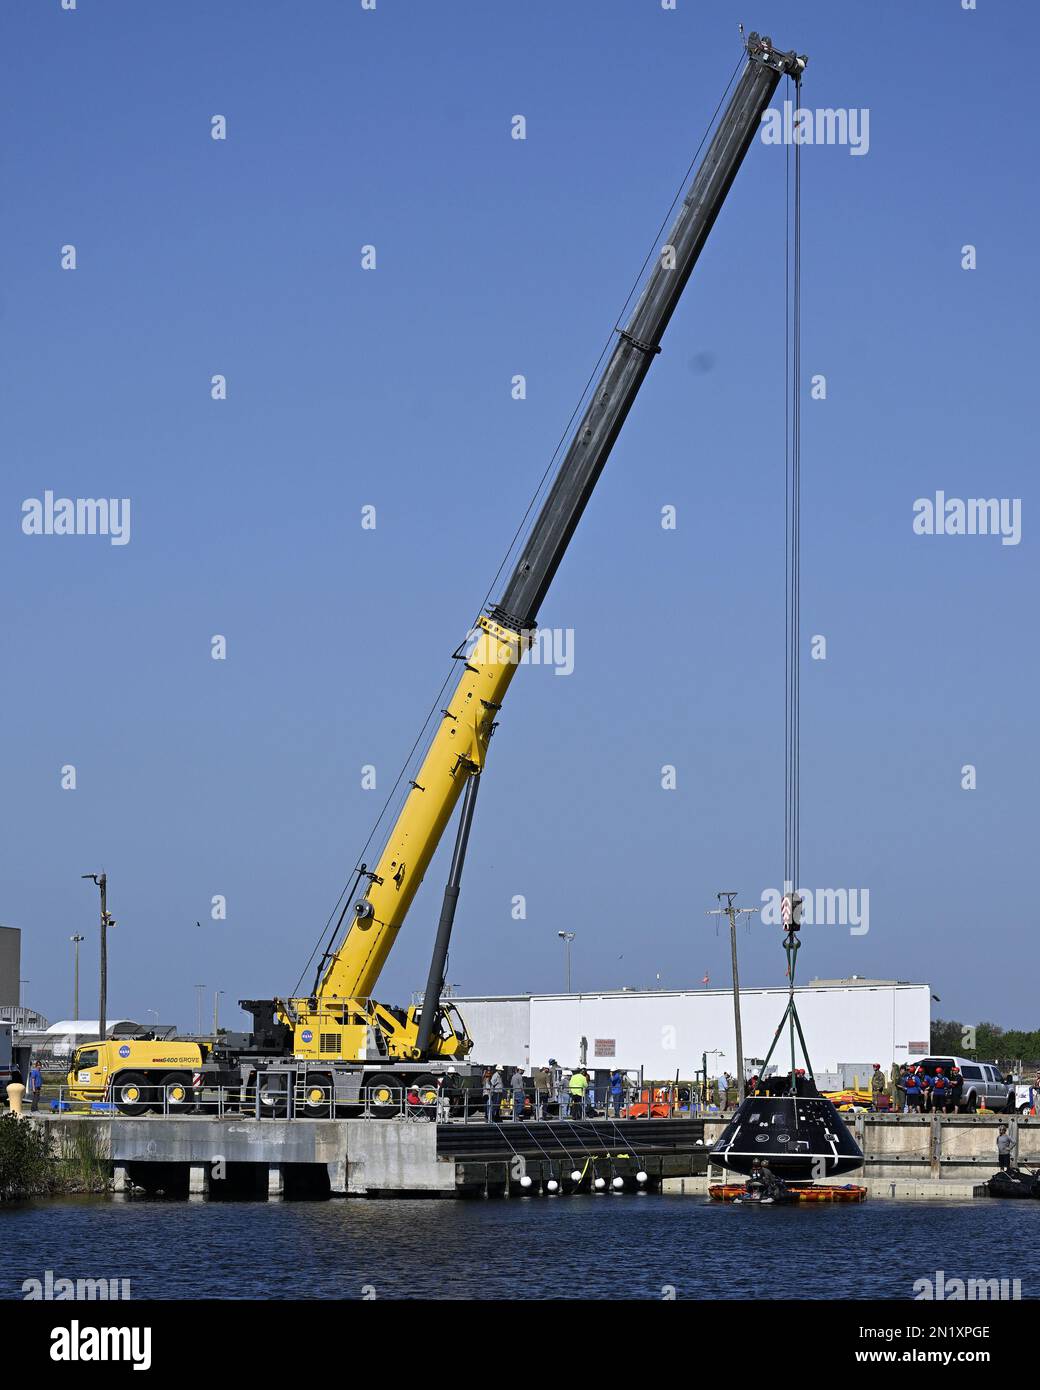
(216, 1004)
(106, 921)
(732, 913)
(567, 937)
(75, 974)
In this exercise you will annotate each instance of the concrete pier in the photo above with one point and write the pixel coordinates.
(206, 1156)
(917, 1157)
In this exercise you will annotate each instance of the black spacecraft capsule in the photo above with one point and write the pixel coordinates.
(801, 1137)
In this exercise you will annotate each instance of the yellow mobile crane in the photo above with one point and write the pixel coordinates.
(338, 1037)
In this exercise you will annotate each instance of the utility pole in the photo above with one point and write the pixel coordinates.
(567, 937)
(733, 913)
(75, 973)
(106, 921)
(198, 1009)
(216, 1006)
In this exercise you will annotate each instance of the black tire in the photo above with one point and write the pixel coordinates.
(175, 1092)
(385, 1096)
(318, 1096)
(129, 1092)
(971, 1104)
(274, 1095)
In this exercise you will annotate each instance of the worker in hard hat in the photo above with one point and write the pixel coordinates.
(517, 1085)
(495, 1089)
(447, 1093)
(877, 1085)
(578, 1087)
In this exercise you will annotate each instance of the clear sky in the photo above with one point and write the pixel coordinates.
(391, 388)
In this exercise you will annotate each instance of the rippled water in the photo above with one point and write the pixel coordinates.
(632, 1246)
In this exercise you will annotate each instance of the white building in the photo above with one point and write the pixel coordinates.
(847, 1024)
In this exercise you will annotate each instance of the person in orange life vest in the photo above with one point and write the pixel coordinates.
(940, 1091)
(926, 1089)
(912, 1088)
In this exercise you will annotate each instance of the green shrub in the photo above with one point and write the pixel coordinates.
(26, 1166)
(32, 1164)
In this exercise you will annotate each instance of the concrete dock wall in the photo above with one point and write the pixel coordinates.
(905, 1155)
(359, 1156)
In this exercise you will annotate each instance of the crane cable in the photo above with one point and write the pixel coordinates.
(792, 440)
(793, 558)
(335, 915)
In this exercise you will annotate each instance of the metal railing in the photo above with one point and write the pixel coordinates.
(295, 1094)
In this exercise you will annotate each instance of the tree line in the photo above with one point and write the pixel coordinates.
(1009, 1047)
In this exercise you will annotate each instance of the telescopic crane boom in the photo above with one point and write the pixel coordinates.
(338, 1018)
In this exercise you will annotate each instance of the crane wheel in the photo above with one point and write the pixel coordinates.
(317, 1096)
(176, 1091)
(129, 1093)
(385, 1094)
(274, 1098)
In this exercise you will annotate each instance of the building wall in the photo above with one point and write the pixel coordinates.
(664, 1032)
(501, 1029)
(10, 964)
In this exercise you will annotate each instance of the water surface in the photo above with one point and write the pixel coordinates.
(591, 1247)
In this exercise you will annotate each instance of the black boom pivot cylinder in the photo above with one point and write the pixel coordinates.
(640, 339)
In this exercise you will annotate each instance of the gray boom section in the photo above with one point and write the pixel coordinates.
(640, 339)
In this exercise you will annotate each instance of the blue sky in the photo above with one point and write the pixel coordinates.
(392, 388)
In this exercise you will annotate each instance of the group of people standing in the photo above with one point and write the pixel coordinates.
(939, 1092)
(493, 1086)
(552, 1089)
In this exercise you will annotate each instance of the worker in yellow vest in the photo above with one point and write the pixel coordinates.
(578, 1087)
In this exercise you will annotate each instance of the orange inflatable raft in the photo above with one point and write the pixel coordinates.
(796, 1192)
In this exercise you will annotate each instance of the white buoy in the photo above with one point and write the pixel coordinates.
(576, 1176)
(525, 1181)
(640, 1176)
(699, 1144)
(618, 1184)
(552, 1185)
(600, 1184)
